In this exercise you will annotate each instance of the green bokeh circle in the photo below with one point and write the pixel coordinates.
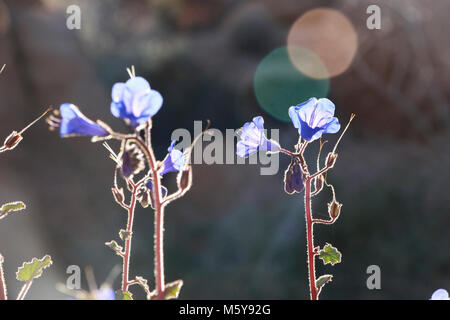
(279, 85)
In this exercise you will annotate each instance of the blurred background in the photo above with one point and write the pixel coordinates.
(235, 234)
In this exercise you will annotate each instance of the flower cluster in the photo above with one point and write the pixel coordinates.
(312, 119)
(135, 102)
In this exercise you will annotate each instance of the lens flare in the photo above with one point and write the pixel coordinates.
(329, 35)
(279, 85)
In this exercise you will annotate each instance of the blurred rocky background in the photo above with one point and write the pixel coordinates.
(236, 234)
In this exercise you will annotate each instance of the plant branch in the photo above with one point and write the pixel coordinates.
(159, 219)
(127, 252)
(310, 241)
(3, 291)
(23, 292)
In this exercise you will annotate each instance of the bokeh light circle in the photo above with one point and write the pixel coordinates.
(279, 85)
(327, 33)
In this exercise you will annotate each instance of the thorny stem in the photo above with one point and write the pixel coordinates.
(126, 256)
(23, 292)
(3, 291)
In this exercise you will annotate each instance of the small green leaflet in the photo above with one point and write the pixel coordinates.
(124, 295)
(330, 254)
(172, 290)
(33, 269)
(11, 207)
(323, 280)
(114, 246)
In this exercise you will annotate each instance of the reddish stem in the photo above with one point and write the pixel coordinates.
(323, 221)
(159, 216)
(310, 241)
(126, 257)
(3, 292)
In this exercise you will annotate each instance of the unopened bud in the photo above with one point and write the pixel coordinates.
(118, 194)
(318, 184)
(293, 177)
(334, 209)
(184, 179)
(12, 140)
(331, 159)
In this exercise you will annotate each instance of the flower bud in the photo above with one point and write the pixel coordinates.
(331, 159)
(12, 140)
(132, 161)
(184, 179)
(118, 194)
(293, 177)
(318, 184)
(334, 209)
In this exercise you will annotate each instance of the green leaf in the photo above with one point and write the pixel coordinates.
(172, 290)
(11, 207)
(124, 235)
(114, 246)
(322, 280)
(33, 269)
(124, 295)
(330, 254)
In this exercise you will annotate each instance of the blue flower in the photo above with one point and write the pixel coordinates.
(105, 293)
(314, 117)
(73, 122)
(440, 294)
(254, 140)
(174, 160)
(135, 101)
(149, 185)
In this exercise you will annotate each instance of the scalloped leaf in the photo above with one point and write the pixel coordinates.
(11, 207)
(33, 269)
(124, 295)
(330, 254)
(172, 290)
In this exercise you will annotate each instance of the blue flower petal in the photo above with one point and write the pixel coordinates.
(135, 101)
(174, 160)
(105, 293)
(314, 117)
(252, 139)
(73, 122)
(117, 91)
(149, 185)
(440, 294)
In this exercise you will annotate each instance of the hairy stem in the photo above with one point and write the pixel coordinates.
(3, 291)
(310, 241)
(23, 292)
(159, 219)
(126, 257)
(159, 252)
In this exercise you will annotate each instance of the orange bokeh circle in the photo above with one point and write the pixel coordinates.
(329, 35)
